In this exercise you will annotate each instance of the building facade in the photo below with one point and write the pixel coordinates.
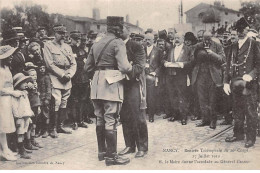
(223, 16)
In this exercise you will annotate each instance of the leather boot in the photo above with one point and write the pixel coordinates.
(61, 119)
(28, 145)
(35, 143)
(45, 131)
(112, 157)
(101, 139)
(53, 132)
(21, 151)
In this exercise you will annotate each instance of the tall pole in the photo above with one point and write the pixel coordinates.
(181, 11)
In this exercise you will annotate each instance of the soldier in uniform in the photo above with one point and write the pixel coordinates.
(108, 61)
(80, 82)
(62, 66)
(243, 63)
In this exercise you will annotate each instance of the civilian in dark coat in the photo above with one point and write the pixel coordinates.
(206, 77)
(134, 105)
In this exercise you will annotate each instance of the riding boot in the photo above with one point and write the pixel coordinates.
(101, 139)
(111, 154)
(53, 132)
(62, 118)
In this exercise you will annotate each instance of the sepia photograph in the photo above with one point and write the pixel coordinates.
(129, 85)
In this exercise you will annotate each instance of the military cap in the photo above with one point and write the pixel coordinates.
(162, 34)
(149, 30)
(139, 36)
(75, 34)
(40, 28)
(59, 28)
(10, 35)
(115, 21)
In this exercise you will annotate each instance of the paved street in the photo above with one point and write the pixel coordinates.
(171, 146)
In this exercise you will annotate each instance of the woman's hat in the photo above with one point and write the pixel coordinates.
(21, 78)
(190, 36)
(6, 51)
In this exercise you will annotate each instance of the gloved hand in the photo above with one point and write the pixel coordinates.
(227, 88)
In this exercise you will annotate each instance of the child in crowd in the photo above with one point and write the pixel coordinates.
(45, 98)
(31, 143)
(22, 111)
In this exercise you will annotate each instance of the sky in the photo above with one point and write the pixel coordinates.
(156, 14)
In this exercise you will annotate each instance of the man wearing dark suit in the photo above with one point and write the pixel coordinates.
(243, 63)
(154, 57)
(206, 76)
(134, 105)
(177, 65)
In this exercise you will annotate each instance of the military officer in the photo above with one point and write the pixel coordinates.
(243, 63)
(62, 66)
(108, 61)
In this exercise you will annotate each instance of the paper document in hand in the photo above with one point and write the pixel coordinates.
(113, 76)
(173, 65)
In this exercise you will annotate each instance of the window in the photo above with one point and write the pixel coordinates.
(238, 15)
(226, 13)
(98, 27)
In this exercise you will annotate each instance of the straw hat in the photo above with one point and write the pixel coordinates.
(19, 78)
(6, 51)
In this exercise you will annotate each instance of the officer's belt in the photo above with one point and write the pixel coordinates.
(105, 68)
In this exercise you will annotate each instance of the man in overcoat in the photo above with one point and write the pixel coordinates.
(133, 109)
(206, 77)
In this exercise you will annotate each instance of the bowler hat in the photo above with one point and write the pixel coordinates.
(115, 21)
(20, 78)
(162, 34)
(6, 51)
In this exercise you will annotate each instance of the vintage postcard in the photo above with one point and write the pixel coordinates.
(190, 100)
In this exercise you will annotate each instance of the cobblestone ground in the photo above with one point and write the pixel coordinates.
(171, 146)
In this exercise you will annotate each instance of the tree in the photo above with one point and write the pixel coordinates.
(252, 8)
(27, 15)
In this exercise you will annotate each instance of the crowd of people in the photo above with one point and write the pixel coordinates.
(121, 77)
